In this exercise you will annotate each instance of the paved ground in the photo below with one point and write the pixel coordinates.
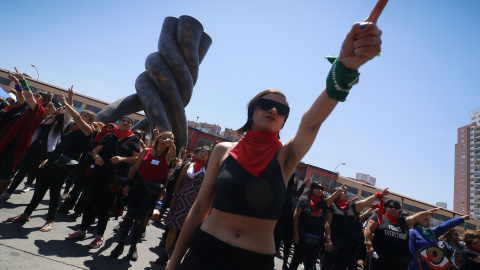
(24, 246)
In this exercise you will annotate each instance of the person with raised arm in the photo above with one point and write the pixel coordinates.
(18, 125)
(232, 221)
(61, 163)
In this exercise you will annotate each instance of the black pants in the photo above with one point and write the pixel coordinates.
(140, 202)
(340, 260)
(99, 200)
(207, 252)
(390, 263)
(306, 253)
(29, 164)
(51, 177)
(6, 160)
(81, 181)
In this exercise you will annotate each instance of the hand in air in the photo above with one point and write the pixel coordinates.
(363, 41)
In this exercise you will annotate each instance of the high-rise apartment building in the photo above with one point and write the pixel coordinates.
(466, 198)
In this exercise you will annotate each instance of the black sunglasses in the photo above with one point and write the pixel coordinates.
(394, 207)
(268, 104)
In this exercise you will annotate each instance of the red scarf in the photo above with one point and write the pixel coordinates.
(391, 219)
(342, 204)
(104, 132)
(380, 208)
(255, 151)
(314, 200)
(123, 134)
(472, 248)
(198, 165)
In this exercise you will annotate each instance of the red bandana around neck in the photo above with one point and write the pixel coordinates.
(123, 134)
(198, 165)
(342, 204)
(314, 201)
(104, 132)
(471, 247)
(392, 219)
(255, 151)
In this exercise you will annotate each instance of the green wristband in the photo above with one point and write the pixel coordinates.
(340, 80)
(25, 85)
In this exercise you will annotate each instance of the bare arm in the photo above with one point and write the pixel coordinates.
(335, 195)
(365, 214)
(202, 206)
(131, 159)
(411, 220)
(365, 202)
(95, 155)
(361, 44)
(369, 230)
(84, 127)
(328, 232)
(296, 217)
(171, 151)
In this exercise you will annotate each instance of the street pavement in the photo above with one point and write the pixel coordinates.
(24, 246)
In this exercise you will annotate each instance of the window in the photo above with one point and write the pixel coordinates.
(462, 209)
(462, 184)
(77, 104)
(462, 190)
(463, 135)
(462, 179)
(463, 145)
(462, 203)
(463, 156)
(202, 142)
(463, 130)
(92, 108)
(462, 197)
(463, 173)
(463, 167)
(463, 151)
(5, 81)
(366, 194)
(462, 140)
(463, 162)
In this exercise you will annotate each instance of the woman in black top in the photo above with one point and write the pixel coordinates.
(341, 241)
(237, 219)
(53, 174)
(114, 155)
(451, 246)
(471, 253)
(309, 225)
(386, 238)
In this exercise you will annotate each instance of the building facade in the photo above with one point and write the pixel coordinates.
(80, 101)
(466, 196)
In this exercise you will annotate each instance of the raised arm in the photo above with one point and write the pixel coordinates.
(18, 92)
(365, 202)
(84, 127)
(361, 44)
(335, 195)
(27, 93)
(411, 220)
(171, 151)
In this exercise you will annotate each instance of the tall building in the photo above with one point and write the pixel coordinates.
(368, 178)
(466, 198)
(441, 204)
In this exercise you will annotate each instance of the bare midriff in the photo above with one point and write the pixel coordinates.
(249, 233)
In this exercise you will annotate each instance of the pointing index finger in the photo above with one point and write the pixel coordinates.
(16, 70)
(376, 11)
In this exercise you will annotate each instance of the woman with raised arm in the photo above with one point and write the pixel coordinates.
(422, 237)
(44, 141)
(143, 189)
(386, 236)
(232, 221)
(471, 253)
(60, 164)
(18, 125)
(342, 238)
(309, 225)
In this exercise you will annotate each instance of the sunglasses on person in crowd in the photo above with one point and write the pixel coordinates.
(317, 187)
(268, 104)
(394, 207)
(204, 153)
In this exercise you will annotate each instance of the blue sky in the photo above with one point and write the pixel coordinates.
(399, 123)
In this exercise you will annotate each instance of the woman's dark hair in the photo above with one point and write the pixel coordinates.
(58, 124)
(448, 235)
(140, 134)
(251, 108)
(391, 202)
(198, 149)
(91, 115)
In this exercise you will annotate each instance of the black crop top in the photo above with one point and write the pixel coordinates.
(238, 192)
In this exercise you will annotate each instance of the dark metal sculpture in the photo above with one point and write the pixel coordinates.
(166, 87)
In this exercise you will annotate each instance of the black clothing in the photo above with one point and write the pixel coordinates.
(74, 143)
(207, 252)
(391, 240)
(238, 192)
(383, 263)
(113, 147)
(312, 221)
(344, 238)
(468, 256)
